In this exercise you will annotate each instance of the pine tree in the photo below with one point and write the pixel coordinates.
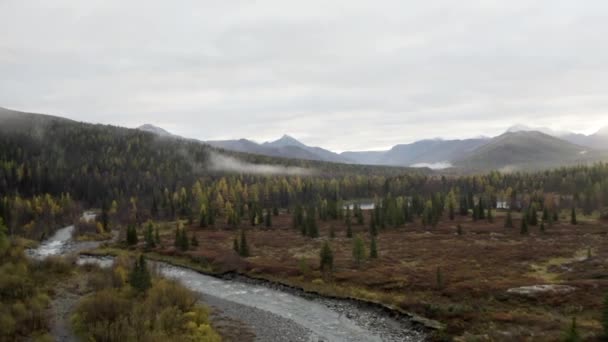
(573, 217)
(358, 251)
(555, 217)
(373, 248)
(332, 232)
(243, 246)
(194, 241)
(509, 220)
(327, 258)
(459, 229)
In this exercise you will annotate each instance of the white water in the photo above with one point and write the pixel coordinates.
(326, 324)
(59, 242)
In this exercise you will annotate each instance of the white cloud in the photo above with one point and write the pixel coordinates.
(343, 74)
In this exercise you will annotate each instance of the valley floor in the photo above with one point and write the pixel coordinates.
(462, 281)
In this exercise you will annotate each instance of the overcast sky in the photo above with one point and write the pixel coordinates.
(345, 75)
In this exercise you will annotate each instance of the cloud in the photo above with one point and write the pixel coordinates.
(343, 75)
(220, 162)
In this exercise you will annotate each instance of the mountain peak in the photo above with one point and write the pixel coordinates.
(285, 140)
(545, 130)
(154, 129)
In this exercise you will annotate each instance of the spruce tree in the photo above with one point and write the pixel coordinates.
(203, 220)
(156, 236)
(194, 241)
(524, 225)
(373, 229)
(490, 215)
(439, 278)
(327, 258)
(235, 246)
(332, 232)
(150, 243)
(555, 216)
(459, 229)
(268, 218)
(509, 220)
(243, 246)
(105, 219)
(572, 334)
(532, 215)
(358, 251)
(312, 229)
(542, 226)
(451, 210)
(349, 230)
(573, 217)
(605, 318)
(131, 235)
(140, 278)
(183, 240)
(481, 212)
(373, 248)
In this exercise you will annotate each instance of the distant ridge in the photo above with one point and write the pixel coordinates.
(154, 129)
(286, 147)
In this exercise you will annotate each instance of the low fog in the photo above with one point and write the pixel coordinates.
(220, 162)
(434, 166)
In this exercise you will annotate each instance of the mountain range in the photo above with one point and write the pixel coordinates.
(519, 148)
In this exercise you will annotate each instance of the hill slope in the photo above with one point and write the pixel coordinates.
(526, 150)
(420, 152)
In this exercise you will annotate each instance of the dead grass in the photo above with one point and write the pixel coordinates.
(477, 268)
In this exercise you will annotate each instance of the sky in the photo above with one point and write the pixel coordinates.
(344, 75)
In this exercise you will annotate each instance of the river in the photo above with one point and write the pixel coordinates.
(274, 314)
